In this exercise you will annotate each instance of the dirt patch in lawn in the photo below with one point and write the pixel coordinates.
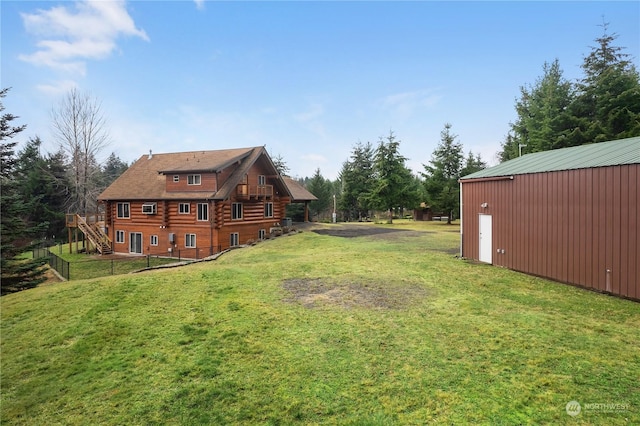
(353, 231)
(318, 292)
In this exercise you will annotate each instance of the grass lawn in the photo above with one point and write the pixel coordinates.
(379, 330)
(85, 266)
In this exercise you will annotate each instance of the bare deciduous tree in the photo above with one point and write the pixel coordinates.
(79, 127)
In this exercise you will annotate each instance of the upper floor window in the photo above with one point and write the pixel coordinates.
(236, 211)
(123, 211)
(184, 208)
(193, 179)
(203, 211)
(262, 180)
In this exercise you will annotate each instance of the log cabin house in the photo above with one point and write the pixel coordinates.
(194, 204)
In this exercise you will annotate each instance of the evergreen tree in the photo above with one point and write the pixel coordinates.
(322, 189)
(58, 192)
(38, 190)
(441, 176)
(357, 178)
(608, 102)
(472, 164)
(394, 185)
(112, 169)
(281, 165)
(543, 121)
(16, 232)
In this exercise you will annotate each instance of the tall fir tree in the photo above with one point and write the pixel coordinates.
(322, 189)
(394, 186)
(473, 163)
(608, 103)
(543, 120)
(357, 178)
(441, 176)
(39, 189)
(112, 169)
(16, 231)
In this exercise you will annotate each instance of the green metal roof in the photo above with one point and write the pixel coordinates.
(603, 154)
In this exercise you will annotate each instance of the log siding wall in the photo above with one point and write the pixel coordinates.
(578, 227)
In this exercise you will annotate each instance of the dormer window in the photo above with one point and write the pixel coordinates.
(193, 179)
(149, 208)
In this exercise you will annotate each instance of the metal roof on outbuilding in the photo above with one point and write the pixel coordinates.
(603, 154)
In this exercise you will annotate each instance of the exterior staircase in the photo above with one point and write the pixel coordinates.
(95, 235)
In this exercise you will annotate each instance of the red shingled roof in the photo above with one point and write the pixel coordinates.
(145, 179)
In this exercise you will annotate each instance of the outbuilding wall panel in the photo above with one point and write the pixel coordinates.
(578, 226)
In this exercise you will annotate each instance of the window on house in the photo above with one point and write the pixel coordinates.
(120, 237)
(154, 240)
(184, 208)
(190, 240)
(235, 239)
(236, 211)
(268, 209)
(176, 178)
(193, 180)
(261, 234)
(149, 208)
(203, 211)
(262, 180)
(123, 211)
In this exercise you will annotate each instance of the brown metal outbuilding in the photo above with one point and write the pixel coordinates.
(570, 215)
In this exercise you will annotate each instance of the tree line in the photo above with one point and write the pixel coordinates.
(552, 113)
(377, 179)
(38, 189)
(602, 105)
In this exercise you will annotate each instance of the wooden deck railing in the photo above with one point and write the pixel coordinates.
(254, 191)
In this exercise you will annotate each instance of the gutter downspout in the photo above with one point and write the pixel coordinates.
(212, 212)
(461, 220)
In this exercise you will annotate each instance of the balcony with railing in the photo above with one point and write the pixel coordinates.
(247, 192)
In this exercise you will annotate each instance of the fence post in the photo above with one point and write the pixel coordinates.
(148, 260)
(112, 267)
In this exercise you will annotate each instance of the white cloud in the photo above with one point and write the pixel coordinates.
(68, 37)
(310, 119)
(199, 4)
(315, 111)
(59, 88)
(406, 103)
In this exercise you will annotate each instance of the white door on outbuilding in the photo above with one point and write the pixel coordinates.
(486, 247)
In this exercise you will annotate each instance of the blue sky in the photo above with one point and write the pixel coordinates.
(306, 79)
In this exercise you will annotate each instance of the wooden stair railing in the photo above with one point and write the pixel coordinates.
(94, 233)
